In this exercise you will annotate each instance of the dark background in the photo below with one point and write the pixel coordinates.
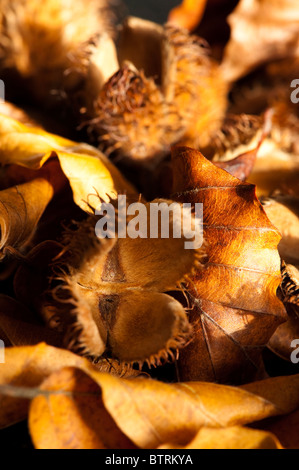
(154, 10)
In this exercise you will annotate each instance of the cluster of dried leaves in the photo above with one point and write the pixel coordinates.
(140, 343)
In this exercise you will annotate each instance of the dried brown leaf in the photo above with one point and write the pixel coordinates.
(148, 412)
(88, 170)
(234, 437)
(261, 30)
(235, 307)
(74, 417)
(21, 327)
(26, 367)
(20, 210)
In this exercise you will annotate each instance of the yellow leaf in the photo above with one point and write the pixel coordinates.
(72, 413)
(89, 171)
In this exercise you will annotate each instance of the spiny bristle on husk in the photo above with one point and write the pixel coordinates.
(79, 243)
(237, 135)
(116, 368)
(83, 335)
(170, 353)
(114, 289)
(180, 99)
(45, 45)
(136, 113)
(89, 336)
(193, 81)
(131, 116)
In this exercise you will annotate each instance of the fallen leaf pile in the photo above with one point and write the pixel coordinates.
(137, 342)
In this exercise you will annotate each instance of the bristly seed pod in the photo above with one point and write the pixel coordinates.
(156, 87)
(47, 47)
(168, 90)
(118, 291)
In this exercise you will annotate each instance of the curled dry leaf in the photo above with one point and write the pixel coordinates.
(88, 170)
(262, 150)
(235, 307)
(117, 288)
(275, 170)
(72, 401)
(22, 327)
(285, 429)
(234, 437)
(283, 211)
(90, 397)
(20, 210)
(281, 342)
(261, 30)
(28, 366)
(31, 281)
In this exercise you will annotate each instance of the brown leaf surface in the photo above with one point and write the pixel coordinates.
(148, 412)
(275, 170)
(28, 366)
(21, 327)
(234, 437)
(285, 429)
(74, 417)
(261, 30)
(235, 308)
(281, 341)
(31, 280)
(129, 304)
(283, 212)
(20, 210)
